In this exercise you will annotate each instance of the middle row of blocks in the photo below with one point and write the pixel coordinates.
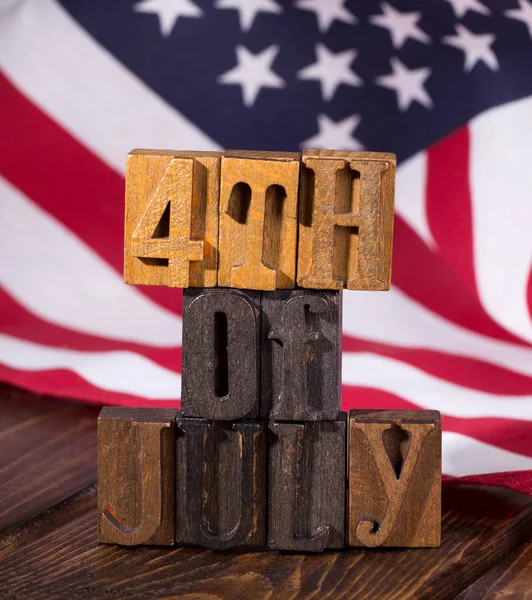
(273, 355)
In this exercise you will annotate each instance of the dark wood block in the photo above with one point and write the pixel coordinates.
(136, 476)
(221, 483)
(221, 342)
(394, 471)
(301, 355)
(306, 510)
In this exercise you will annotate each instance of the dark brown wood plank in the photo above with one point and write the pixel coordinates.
(511, 579)
(481, 526)
(47, 453)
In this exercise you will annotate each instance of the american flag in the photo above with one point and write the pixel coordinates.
(445, 84)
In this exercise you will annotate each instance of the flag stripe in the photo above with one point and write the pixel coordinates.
(426, 391)
(69, 182)
(501, 205)
(448, 196)
(118, 370)
(395, 319)
(18, 322)
(467, 372)
(75, 287)
(109, 109)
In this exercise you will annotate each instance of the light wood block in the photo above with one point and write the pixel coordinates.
(346, 220)
(394, 471)
(258, 220)
(171, 225)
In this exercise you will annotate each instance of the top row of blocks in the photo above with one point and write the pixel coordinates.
(259, 220)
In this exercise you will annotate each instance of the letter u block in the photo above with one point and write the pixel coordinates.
(346, 220)
(220, 483)
(394, 472)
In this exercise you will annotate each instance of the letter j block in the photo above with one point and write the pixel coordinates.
(394, 473)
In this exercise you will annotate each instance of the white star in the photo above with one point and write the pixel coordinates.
(400, 25)
(331, 70)
(407, 83)
(524, 13)
(168, 11)
(335, 135)
(476, 47)
(327, 11)
(248, 9)
(253, 72)
(460, 7)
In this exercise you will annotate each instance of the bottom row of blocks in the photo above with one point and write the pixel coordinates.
(164, 479)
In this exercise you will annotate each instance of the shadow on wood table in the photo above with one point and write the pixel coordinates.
(48, 543)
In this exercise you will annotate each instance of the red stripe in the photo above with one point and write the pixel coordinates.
(427, 278)
(16, 321)
(513, 435)
(520, 481)
(67, 384)
(449, 204)
(460, 370)
(66, 179)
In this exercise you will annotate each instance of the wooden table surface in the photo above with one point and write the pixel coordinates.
(48, 543)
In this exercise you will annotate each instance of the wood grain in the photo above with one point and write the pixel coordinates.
(47, 454)
(346, 220)
(510, 579)
(301, 355)
(221, 354)
(221, 484)
(306, 506)
(480, 527)
(394, 473)
(171, 224)
(136, 479)
(258, 220)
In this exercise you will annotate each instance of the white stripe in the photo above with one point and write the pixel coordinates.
(462, 456)
(501, 181)
(55, 275)
(429, 392)
(410, 196)
(63, 69)
(394, 318)
(116, 371)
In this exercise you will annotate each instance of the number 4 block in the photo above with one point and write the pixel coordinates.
(171, 226)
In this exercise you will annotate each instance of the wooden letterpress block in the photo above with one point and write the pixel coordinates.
(301, 355)
(306, 510)
(258, 220)
(346, 220)
(136, 476)
(221, 341)
(394, 471)
(172, 205)
(221, 483)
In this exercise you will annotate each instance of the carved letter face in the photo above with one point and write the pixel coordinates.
(172, 201)
(346, 220)
(221, 331)
(394, 478)
(136, 476)
(221, 484)
(301, 346)
(307, 486)
(258, 220)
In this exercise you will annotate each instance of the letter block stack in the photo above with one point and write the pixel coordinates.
(260, 454)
